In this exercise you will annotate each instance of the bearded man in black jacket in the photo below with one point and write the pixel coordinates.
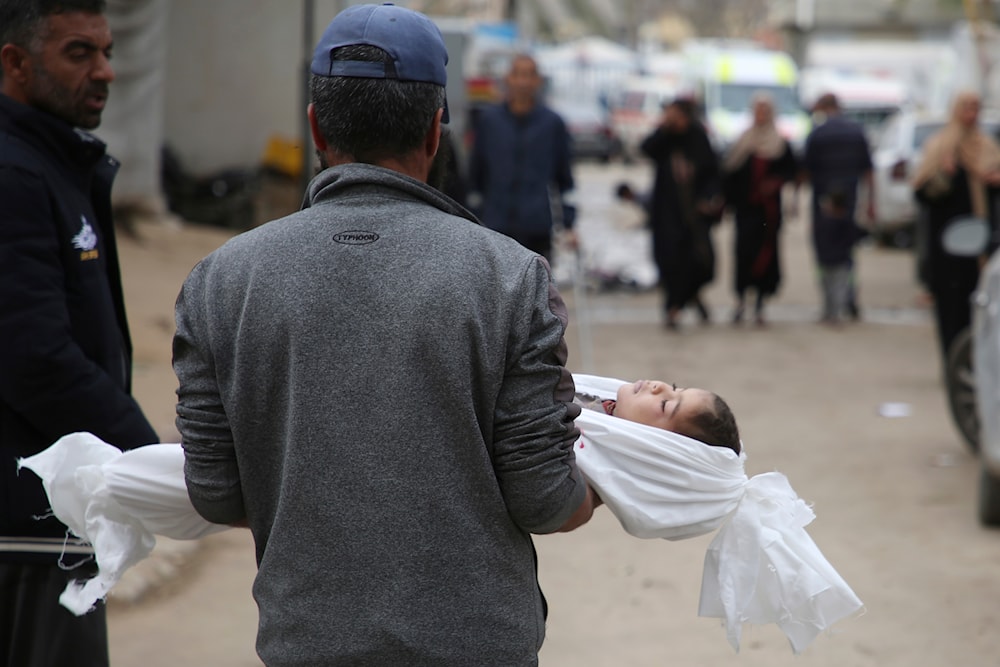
(65, 353)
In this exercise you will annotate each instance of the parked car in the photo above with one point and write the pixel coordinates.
(972, 365)
(590, 128)
(986, 387)
(895, 156)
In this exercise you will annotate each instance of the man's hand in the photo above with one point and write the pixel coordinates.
(584, 512)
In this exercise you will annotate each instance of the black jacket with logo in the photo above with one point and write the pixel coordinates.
(65, 353)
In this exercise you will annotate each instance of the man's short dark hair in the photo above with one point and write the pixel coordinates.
(716, 427)
(373, 119)
(20, 20)
(685, 105)
(827, 103)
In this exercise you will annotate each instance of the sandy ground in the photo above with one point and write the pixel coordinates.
(894, 498)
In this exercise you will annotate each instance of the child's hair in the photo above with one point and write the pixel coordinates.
(716, 427)
(623, 191)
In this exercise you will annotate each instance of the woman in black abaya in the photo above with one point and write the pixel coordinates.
(685, 204)
(958, 176)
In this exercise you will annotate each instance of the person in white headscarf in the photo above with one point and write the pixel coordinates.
(754, 171)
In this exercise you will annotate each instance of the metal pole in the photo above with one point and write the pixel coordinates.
(309, 18)
(582, 312)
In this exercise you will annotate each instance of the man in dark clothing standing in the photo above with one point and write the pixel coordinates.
(65, 355)
(837, 160)
(520, 159)
(376, 386)
(685, 203)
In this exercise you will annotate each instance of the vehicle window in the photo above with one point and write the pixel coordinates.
(869, 118)
(737, 97)
(655, 102)
(889, 138)
(633, 100)
(922, 132)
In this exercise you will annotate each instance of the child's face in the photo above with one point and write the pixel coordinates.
(662, 405)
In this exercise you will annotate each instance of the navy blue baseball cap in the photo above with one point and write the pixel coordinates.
(412, 40)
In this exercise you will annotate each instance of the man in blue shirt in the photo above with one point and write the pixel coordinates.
(837, 160)
(520, 159)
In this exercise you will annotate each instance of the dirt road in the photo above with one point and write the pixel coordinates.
(894, 497)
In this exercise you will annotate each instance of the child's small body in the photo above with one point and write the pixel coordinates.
(639, 450)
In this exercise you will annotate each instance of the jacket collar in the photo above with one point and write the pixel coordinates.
(335, 181)
(54, 135)
(532, 113)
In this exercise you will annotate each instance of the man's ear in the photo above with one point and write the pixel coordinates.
(317, 136)
(15, 65)
(433, 140)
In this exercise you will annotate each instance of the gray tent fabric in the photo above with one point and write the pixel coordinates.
(133, 122)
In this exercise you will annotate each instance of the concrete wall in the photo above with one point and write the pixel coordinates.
(234, 73)
(234, 77)
(857, 13)
(133, 122)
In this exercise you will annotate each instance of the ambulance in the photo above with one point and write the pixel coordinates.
(724, 78)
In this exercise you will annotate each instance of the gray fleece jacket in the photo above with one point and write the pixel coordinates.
(377, 385)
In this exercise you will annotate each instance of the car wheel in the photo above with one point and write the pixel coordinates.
(960, 384)
(989, 499)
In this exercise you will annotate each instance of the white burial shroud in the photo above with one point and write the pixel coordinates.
(761, 567)
(118, 501)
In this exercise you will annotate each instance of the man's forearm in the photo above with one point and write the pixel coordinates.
(584, 512)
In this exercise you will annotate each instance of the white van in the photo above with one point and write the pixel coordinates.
(724, 80)
(868, 99)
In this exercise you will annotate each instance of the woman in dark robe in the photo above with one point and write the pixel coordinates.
(685, 204)
(958, 177)
(754, 171)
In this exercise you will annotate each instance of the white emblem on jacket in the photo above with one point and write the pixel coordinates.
(86, 240)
